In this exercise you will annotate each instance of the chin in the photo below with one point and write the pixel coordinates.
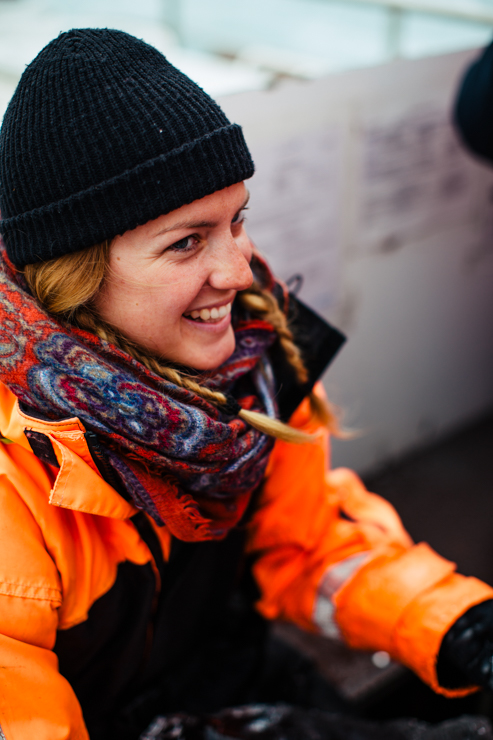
(212, 358)
(211, 364)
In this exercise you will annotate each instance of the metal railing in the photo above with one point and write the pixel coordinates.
(471, 11)
(467, 10)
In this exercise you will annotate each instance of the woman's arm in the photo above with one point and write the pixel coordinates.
(35, 700)
(334, 558)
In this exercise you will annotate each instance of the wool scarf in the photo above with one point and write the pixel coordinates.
(183, 461)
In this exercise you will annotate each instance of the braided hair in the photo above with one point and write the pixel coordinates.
(66, 286)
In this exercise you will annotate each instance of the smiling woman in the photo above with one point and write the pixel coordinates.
(154, 512)
(173, 280)
(97, 289)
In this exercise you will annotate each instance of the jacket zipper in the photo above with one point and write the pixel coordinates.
(107, 471)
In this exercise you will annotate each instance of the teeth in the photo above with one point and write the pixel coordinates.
(206, 314)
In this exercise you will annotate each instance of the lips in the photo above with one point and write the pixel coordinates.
(209, 315)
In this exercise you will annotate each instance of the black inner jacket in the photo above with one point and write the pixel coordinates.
(202, 646)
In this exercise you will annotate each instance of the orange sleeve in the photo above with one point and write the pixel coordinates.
(35, 700)
(401, 597)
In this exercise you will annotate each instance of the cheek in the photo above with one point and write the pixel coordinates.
(133, 286)
(123, 301)
(148, 300)
(245, 245)
(178, 292)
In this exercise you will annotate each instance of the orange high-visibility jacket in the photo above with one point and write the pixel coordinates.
(329, 556)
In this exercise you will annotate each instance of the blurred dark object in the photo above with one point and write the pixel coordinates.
(358, 678)
(282, 722)
(466, 655)
(295, 283)
(474, 106)
(375, 689)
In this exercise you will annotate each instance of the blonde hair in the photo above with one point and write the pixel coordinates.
(66, 287)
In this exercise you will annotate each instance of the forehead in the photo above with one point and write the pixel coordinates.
(222, 204)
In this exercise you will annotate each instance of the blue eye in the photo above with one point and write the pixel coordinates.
(240, 216)
(183, 245)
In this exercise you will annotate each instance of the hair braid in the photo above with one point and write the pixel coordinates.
(264, 304)
(67, 285)
(87, 319)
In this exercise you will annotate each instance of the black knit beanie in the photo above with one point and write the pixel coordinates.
(104, 134)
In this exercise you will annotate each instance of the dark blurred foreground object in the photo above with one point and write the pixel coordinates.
(282, 722)
(466, 654)
(474, 106)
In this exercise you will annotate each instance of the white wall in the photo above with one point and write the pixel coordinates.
(401, 221)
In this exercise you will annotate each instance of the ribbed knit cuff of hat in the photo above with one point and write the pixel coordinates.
(157, 186)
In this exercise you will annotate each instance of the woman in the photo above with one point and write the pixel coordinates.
(148, 367)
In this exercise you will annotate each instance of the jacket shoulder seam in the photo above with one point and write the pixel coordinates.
(24, 591)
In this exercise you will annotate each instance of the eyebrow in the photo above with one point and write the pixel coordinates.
(197, 224)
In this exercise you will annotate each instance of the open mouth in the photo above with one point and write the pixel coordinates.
(209, 315)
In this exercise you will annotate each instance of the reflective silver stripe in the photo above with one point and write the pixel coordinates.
(2, 736)
(263, 378)
(333, 579)
(156, 727)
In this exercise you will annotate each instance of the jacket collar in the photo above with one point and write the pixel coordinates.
(318, 342)
(78, 483)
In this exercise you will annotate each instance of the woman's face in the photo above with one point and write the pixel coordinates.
(172, 281)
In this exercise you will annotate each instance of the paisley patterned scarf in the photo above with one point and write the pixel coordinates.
(181, 459)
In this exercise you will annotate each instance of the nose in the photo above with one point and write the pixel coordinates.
(230, 267)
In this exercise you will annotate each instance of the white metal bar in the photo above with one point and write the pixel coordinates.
(471, 10)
